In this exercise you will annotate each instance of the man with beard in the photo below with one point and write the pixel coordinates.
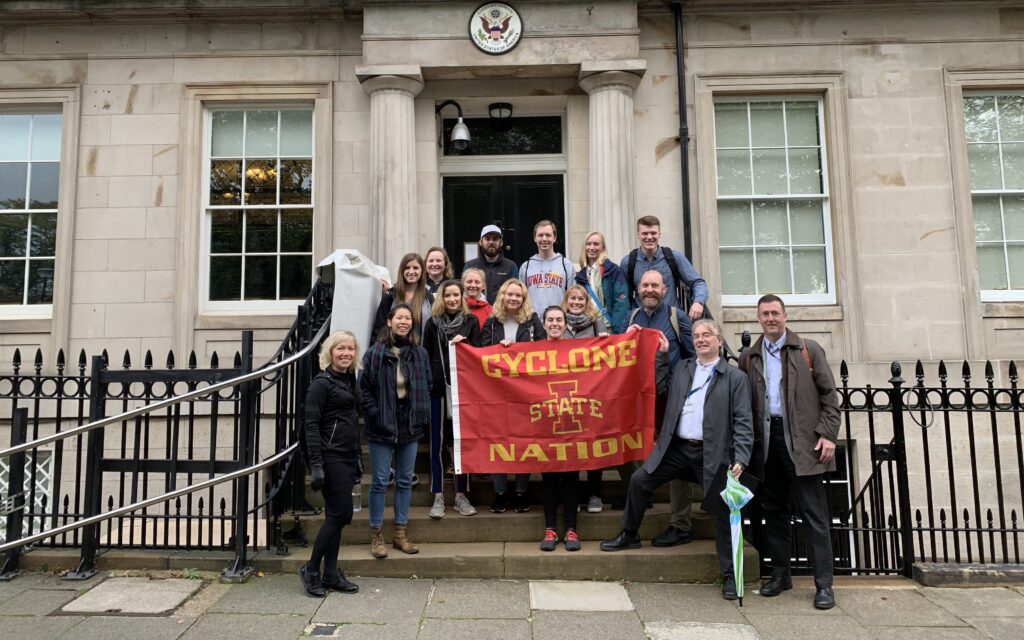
(496, 267)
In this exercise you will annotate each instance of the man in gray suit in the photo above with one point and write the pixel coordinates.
(707, 424)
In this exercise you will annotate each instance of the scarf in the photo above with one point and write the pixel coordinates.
(449, 325)
(594, 277)
(577, 323)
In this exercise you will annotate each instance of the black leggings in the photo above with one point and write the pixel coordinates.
(339, 476)
(560, 487)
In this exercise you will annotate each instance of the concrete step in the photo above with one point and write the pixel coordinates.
(506, 527)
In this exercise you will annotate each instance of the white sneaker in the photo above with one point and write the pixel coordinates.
(594, 505)
(463, 506)
(437, 511)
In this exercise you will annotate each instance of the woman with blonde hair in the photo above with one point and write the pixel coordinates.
(438, 267)
(604, 282)
(513, 320)
(411, 290)
(334, 457)
(475, 288)
(582, 319)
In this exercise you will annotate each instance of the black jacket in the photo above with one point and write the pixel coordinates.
(494, 332)
(495, 273)
(437, 347)
(331, 417)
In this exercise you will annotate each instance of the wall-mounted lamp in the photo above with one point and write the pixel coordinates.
(460, 132)
(500, 110)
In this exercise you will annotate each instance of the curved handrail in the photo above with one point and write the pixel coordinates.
(205, 484)
(170, 402)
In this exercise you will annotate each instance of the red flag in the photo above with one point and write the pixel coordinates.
(553, 405)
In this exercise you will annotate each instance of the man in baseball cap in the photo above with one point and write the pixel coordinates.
(496, 267)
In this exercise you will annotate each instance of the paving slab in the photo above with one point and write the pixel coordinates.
(933, 633)
(50, 581)
(800, 627)
(441, 629)
(996, 602)
(106, 627)
(998, 628)
(36, 628)
(700, 631)
(134, 596)
(378, 600)
(369, 631)
(479, 599)
(594, 625)
(267, 594)
(893, 608)
(246, 626)
(36, 602)
(555, 595)
(668, 603)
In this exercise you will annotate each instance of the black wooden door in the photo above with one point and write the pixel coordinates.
(514, 203)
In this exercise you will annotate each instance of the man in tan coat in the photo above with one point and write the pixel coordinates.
(796, 422)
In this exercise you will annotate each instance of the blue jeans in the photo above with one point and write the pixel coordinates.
(380, 470)
(501, 482)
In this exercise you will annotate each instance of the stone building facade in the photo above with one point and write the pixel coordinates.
(192, 162)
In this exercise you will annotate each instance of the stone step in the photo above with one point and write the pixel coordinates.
(507, 527)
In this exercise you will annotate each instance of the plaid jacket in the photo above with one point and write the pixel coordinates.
(380, 397)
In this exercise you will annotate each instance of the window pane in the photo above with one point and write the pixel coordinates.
(296, 274)
(261, 277)
(806, 222)
(1013, 217)
(296, 181)
(260, 133)
(40, 281)
(260, 182)
(734, 223)
(769, 172)
(734, 173)
(1013, 166)
(296, 231)
(44, 185)
(1011, 118)
(296, 133)
(1015, 255)
(773, 271)
(13, 183)
(44, 234)
(737, 272)
(12, 281)
(13, 228)
(225, 278)
(991, 266)
(226, 137)
(984, 160)
(226, 232)
(14, 134)
(731, 125)
(980, 118)
(260, 232)
(225, 182)
(46, 137)
(804, 171)
(770, 224)
(802, 124)
(766, 127)
(810, 271)
(987, 218)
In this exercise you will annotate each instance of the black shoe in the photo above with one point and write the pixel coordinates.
(729, 588)
(520, 504)
(341, 583)
(622, 541)
(500, 503)
(776, 585)
(672, 537)
(311, 582)
(619, 504)
(824, 598)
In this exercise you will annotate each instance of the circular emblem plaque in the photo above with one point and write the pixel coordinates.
(495, 28)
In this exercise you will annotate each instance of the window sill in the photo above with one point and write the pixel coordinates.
(25, 325)
(825, 313)
(1002, 309)
(242, 322)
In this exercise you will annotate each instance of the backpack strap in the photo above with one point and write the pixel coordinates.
(631, 272)
(680, 286)
(673, 319)
(806, 354)
(565, 270)
(632, 316)
(600, 307)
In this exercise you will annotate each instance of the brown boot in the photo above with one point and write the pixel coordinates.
(402, 541)
(377, 548)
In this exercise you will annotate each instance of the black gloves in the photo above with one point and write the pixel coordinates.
(316, 477)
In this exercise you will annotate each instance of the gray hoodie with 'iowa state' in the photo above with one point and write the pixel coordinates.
(547, 280)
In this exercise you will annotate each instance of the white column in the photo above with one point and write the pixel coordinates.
(393, 228)
(612, 157)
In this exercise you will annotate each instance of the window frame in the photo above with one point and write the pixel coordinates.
(829, 297)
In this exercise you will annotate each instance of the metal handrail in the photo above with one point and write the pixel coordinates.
(205, 484)
(170, 402)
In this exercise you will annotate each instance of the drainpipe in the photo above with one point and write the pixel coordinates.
(684, 131)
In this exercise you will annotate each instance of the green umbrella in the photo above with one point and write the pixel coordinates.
(735, 496)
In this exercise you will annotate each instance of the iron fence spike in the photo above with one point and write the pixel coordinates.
(943, 376)
(1013, 373)
(170, 359)
(192, 359)
(126, 362)
(989, 373)
(147, 361)
(38, 361)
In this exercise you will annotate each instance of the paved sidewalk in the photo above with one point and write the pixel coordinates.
(274, 607)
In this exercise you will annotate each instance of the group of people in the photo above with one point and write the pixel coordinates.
(776, 416)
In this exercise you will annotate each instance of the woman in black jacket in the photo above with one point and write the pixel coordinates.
(513, 320)
(333, 455)
(451, 322)
(410, 289)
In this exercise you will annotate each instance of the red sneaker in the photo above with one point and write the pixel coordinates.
(572, 541)
(549, 541)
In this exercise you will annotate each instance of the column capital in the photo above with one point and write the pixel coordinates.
(605, 73)
(407, 78)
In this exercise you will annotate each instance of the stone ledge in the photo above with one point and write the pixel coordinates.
(937, 574)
